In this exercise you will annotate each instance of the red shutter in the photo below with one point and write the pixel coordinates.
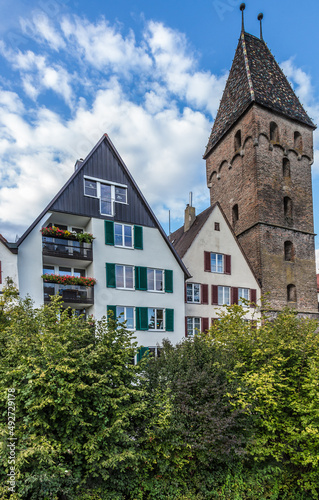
(227, 264)
(205, 322)
(185, 326)
(204, 294)
(0, 273)
(207, 263)
(253, 296)
(214, 295)
(234, 295)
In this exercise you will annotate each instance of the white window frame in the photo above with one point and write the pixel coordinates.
(113, 185)
(195, 329)
(153, 290)
(124, 277)
(123, 236)
(193, 294)
(217, 255)
(221, 290)
(240, 296)
(155, 319)
(57, 269)
(123, 318)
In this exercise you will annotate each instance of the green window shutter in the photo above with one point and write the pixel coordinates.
(113, 309)
(110, 276)
(141, 318)
(169, 320)
(141, 352)
(109, 232)
(138, 237)
(140, 278)
(168, 281)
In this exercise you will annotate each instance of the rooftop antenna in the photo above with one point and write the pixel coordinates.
(260, 18)
(242, 8)
(190, 199)
(169, 223)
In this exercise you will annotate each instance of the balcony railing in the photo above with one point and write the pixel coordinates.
(71, 249)
(74, 294)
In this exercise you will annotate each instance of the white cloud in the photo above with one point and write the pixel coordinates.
(40, 28)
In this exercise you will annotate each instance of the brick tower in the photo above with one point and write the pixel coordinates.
(258, 163)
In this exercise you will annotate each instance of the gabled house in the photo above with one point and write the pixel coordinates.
(8, 262)
(99, 246)
(221, 273)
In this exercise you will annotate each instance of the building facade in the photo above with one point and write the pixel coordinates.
(258, 164)
(8, 262)
(100, 247)
(221, 273)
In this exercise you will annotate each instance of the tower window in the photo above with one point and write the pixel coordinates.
(274, 132)
(291, 293)
(237, 140)
(288, 209)
(289, 251)
(286, 167)
(298, 141)
(235, 213)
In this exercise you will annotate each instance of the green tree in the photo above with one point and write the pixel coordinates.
(77, 399)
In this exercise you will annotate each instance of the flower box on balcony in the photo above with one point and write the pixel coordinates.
(68, 280)
(55, 232)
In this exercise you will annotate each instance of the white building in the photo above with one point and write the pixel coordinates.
(8, 262)
(221, 273)
(138, 274)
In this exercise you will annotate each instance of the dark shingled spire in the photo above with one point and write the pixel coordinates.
(254, 77)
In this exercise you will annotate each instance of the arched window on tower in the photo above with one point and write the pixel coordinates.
(274, 132)
(291, 293)
(288, 209)
(289, 251)
(298, 141)
(237, 140)
(235, 214)
(286, 167)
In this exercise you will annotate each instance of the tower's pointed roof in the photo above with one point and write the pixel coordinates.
(255, 76)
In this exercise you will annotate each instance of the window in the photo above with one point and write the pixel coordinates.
(298, 141)
(237, 140)
(289, 251)
(90, 188)
(288, 209)
(274, 132)
(124, 276)
(155, 280)
(193, 293)
(286, 167)
(0, 273)
(126, 314)
(217, 263)
(48, 270)
(107, 192)
(235, 213)
(64, 271)
(243, 293)
(217, 226)
(291, 293)
(193, 326)
(155, 319)
(123, 235)
(223, 295)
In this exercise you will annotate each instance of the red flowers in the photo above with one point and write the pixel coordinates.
(68, 280)
(55, 232)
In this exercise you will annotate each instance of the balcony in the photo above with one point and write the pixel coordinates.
(70, 249)
(71, 294)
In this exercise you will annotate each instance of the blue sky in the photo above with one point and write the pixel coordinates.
(150, 74)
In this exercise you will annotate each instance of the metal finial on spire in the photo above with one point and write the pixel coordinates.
(260, 18)
(242, 8)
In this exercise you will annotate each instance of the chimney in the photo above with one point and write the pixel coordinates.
(189, 217)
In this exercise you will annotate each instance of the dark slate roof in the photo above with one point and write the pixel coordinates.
(255, 76)
(11, 246)
(182, 240)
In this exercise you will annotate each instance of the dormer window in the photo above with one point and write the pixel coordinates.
(109, 193)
